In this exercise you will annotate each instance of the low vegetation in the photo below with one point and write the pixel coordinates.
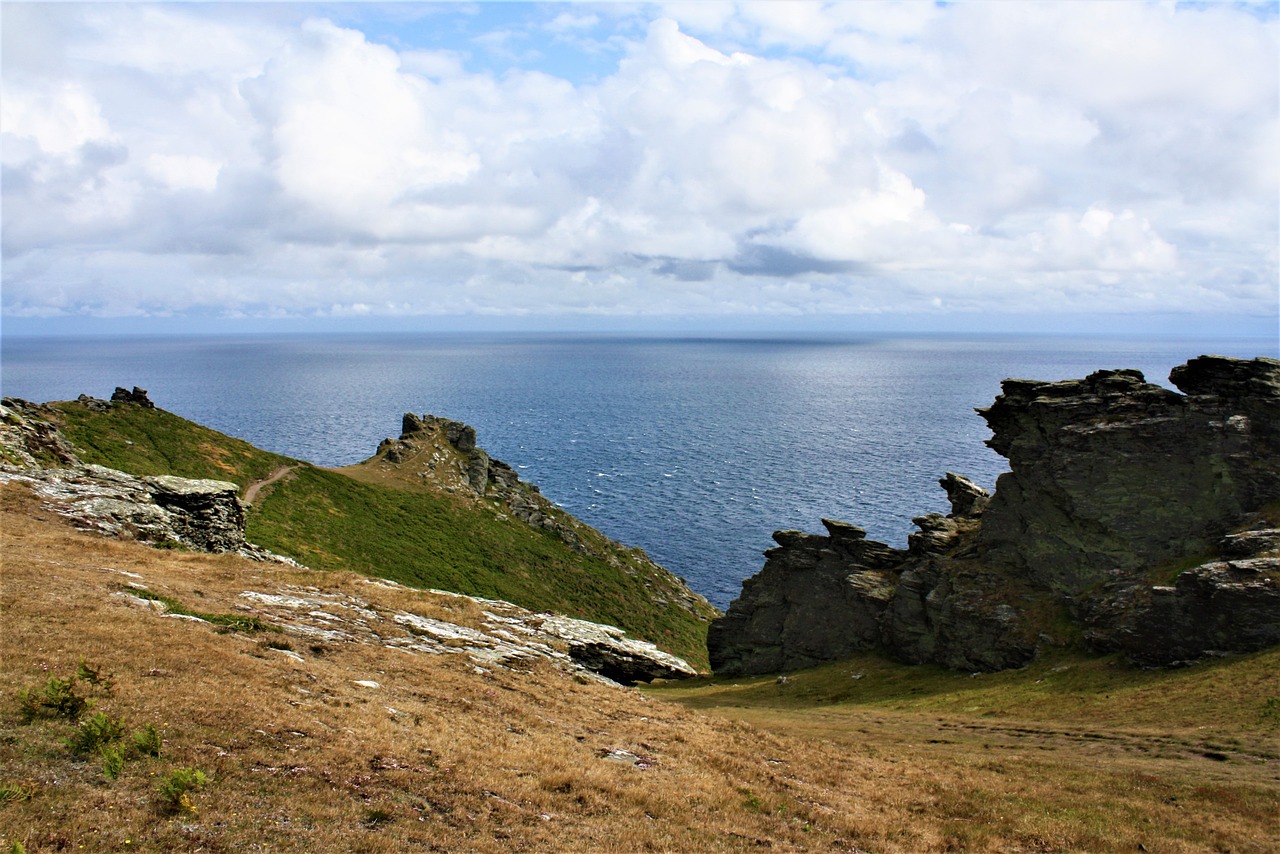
(283, 742)
(154, 442)
(330, 520)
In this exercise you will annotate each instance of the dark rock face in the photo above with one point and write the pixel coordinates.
(1110, 474)
(1113, 483)
(137, 397)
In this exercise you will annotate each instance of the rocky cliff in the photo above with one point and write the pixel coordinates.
(440, 453)
(1133, 518)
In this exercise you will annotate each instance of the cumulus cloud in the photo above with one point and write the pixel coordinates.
(752, 158)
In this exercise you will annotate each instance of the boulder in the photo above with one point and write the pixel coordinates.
(203, 515)
(606, 650)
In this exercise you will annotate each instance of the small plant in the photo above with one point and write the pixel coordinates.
(94, 676)
(146, 741)
(375, 817)
(11, 793)
(175, 789)
(58, 698)
(112, 760)
(1271, 710)
(94, 733)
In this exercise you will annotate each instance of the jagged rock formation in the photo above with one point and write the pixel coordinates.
(204, 515)
(1115, 486)
(442, 454)
(138, 397)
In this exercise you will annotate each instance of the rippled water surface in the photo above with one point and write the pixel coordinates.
(694, 449)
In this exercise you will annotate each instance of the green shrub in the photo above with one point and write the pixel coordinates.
(94, 733)
(146, 741)
(112, 760)
(175, 789)
(57, 698)
(94, 676)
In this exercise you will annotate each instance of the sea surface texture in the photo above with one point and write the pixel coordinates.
(693, 449)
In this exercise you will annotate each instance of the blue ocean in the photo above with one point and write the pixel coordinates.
(695, 449)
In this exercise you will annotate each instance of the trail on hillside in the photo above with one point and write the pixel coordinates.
(251, 491)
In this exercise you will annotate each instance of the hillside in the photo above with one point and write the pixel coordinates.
(307, 743)
(388, 521)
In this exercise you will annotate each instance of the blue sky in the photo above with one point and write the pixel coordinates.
(790, 165)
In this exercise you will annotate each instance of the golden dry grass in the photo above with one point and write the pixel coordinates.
(444, 757)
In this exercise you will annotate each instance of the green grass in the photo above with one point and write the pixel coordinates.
(1238, 692)
(153, 442)
(328, 520)
(230, 622)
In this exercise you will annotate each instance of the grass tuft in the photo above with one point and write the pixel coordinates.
(229, 622)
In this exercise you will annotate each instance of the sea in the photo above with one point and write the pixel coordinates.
(693, 448)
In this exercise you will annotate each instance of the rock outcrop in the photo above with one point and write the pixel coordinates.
(208, 515)
(497, 633)
(202, 515)
(1115, 487)
(443, 454)
(138, 397)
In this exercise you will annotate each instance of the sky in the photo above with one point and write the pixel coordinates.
(998, 166)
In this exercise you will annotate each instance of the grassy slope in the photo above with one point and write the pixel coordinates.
(1070, 753)
(1236, 693)
(328, 520)
(302, 757)
(153, 441)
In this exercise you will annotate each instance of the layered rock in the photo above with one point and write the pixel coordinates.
(490, 632)
(202, 515)
(1110, 475)
(1113, 484)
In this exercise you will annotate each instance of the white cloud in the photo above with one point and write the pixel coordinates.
(184, 171)
(750, 158)
(58, 118)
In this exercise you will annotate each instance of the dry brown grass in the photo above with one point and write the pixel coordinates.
(444, 757)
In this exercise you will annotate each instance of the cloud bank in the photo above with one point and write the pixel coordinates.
(702, 159)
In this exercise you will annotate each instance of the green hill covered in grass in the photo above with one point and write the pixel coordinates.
(403, 528)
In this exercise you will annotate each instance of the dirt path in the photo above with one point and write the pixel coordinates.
(251, 491)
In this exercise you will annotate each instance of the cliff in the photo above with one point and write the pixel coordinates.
(1133, 519)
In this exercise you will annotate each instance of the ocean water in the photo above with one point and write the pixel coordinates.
(695, 449)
